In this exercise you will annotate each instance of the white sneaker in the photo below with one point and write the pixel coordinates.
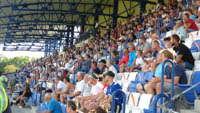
(20, 107)
(14, 101)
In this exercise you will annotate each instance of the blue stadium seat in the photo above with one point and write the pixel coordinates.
(149, 75)
(195, 46)
(142, 77)
(139, 79)
(191, 95)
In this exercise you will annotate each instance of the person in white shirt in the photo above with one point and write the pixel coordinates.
(60, 85)
(79, 85)
(96, 89)
(110, 66)
(50, 85)
(138, 63)
(68, 90)
(87, 87)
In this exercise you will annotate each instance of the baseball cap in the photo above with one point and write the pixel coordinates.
(94, 76)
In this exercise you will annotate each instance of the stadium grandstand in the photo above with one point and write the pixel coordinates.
(102, 56)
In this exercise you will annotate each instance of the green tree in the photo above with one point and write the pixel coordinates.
(10, 69)
(18, 62)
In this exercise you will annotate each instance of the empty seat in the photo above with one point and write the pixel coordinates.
(133, 99)
(197, 65)
(192, 94)
(135, 110)
(125, 85)
(149, 75)
(125, 76)
(194, 35)
(132, 76)
(140, 78)
(196, 55)
(145, 101)
(118, 76)
(188, 42)
(189, 75)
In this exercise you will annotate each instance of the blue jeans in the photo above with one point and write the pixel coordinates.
(189, 66)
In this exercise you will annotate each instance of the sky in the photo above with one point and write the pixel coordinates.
(11, 54)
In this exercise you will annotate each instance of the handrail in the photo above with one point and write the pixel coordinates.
(155, 100)
(119, 91)
(172, 83)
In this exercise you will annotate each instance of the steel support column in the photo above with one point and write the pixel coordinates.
(142, 8)
(160, 1)
(96, 16)
(83, 23)
(115, 13)
(72, 35)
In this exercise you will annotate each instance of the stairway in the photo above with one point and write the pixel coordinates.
(196, 108)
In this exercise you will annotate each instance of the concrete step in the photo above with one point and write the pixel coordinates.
(197, 105)
(188, 111)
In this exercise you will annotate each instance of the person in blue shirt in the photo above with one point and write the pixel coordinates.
(132, 56)
(179, 77)
(53, 105)
(109, 76)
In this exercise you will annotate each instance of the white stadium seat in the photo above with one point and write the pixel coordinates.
(125, 85)
(189, 75)
(188, 42)
(145, 101)
(196, 55)
(134, 110)
(118, 76)
(132, 76)
(192, 37)
(133, 99)
(125, 76)
(197, 65)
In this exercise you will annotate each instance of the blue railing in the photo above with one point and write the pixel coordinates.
(114, 98)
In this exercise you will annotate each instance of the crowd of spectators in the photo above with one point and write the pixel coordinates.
(88, 74)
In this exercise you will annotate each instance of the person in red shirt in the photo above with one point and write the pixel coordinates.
(189, 24)
(124, 61)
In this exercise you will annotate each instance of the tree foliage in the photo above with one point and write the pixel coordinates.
(10, 64)
(10, 69)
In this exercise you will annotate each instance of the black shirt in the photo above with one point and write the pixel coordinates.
(185, 51)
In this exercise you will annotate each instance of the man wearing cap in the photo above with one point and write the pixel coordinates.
(109, 76)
